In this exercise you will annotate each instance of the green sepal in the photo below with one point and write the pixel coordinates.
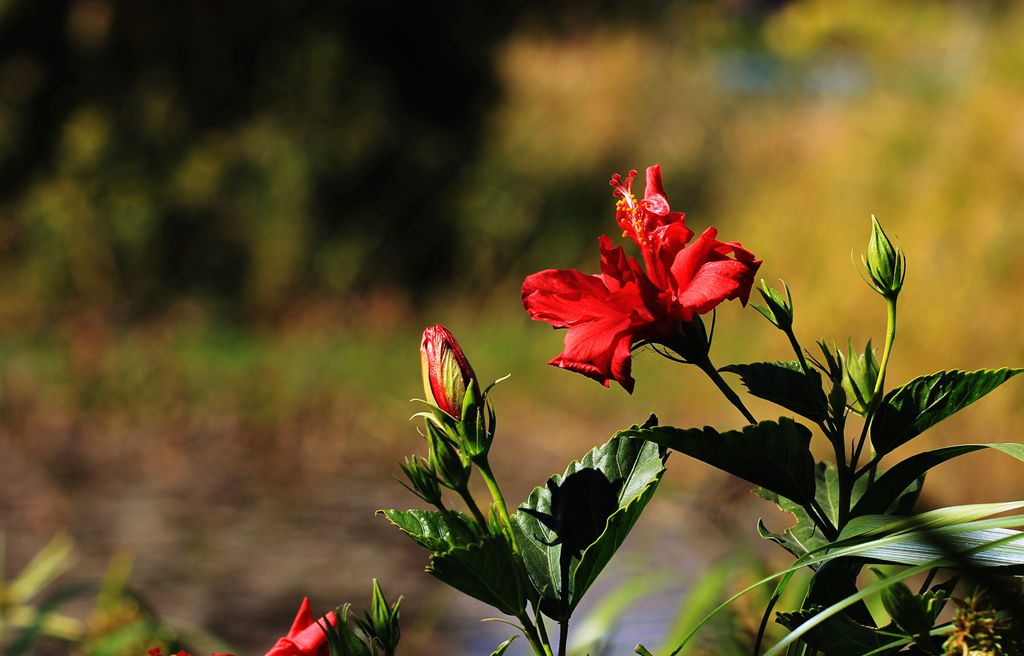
(886, 265)
(422, 479)
(342, 639)
(381, 621)
(777, 310)
(907, 411)
(786, 384)
(452, 469)
(503, 647)
(861, 373)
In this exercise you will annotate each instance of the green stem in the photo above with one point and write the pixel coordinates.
(471, 504)
(846, 480)
(717, 379)
(498, 498)
(538, 639)
(876, 395)
(530, 631)
(796, 349)
(541, 628)
(823, 522)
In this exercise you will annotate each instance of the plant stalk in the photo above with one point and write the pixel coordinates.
(499, 500)
(876, 395)
(712, 373)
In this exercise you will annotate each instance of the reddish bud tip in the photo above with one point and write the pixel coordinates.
(446, 371)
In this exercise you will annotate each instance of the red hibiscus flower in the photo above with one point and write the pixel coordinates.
(609, 313)
(306, 637)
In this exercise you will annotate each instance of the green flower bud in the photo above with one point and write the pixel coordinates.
(777, 310)
(476, 430)
(447, 374)
(885, 264)
(423, 478)
(452, 471)
(381, 621)
(861, 373)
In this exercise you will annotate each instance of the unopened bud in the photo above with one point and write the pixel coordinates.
(861, 373)
(452, 471)
(885, 264)
(446, 371)
(777, 310)
(423, 479)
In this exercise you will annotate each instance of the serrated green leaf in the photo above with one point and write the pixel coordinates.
(786, 384)
(633, 467)
(881, 494)
(772, 455)
(432, 529)
(482, 571)
(799, 539)
(908, 411)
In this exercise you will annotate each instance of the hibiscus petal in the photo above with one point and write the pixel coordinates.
(602, 323)
(654, 194)
(617, 269)
(563, 297)
(302, 619)
(689, 260)
(718, 281)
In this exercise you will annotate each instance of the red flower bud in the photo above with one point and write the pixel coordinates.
(446, 371)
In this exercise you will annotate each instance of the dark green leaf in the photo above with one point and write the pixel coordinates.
(773, 455)
(800, 538)
(632, 468)
(908, 411)
(892, 485)
(432, 529)
(908, 610)
(785, 384)
(839, 635)
(483, 571)
(601, 551)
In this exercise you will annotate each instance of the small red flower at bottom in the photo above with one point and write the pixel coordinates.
(306, 637)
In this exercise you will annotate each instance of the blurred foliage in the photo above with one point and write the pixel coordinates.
(38, 613)
(254, 154)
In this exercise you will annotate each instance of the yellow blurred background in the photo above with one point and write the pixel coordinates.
(222, 230)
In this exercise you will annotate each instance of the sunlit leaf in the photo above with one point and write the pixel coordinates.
(785, 384)
(908, 411)
(773, 455)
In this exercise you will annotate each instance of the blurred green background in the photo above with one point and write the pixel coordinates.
(223, 226)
